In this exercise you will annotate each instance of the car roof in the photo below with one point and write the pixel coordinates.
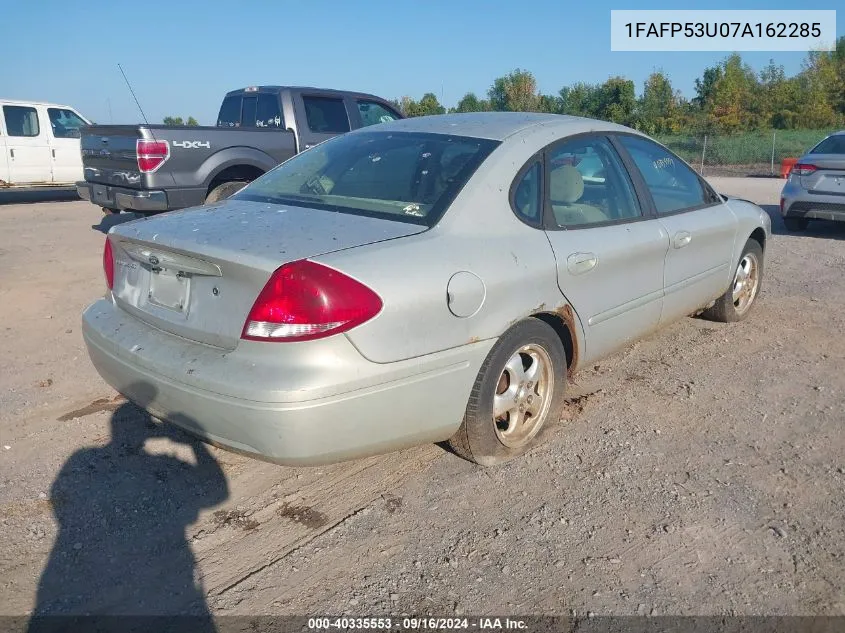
(497, 126)
(323, 92)
(22, 102)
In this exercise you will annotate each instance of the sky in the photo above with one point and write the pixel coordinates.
(182, 57)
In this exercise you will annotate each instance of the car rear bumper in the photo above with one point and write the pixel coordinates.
(122, 198)
(800, 203)
(337, 406)
(817, 210)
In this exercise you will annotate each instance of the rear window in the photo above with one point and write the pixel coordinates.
(326, 115)
(831, 145)
(230, 112)
(401, 176)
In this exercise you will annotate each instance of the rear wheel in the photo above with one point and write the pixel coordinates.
(518, 390)
(736, 303)
(796, 224)
(221, 192)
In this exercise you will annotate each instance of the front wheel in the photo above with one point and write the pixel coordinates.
(736, 303)
(518, 390)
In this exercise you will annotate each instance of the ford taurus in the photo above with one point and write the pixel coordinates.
(428, 279)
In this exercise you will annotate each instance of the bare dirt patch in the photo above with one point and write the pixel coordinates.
(699, 471)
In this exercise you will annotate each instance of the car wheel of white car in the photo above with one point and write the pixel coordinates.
(519, 389)
(736, 303)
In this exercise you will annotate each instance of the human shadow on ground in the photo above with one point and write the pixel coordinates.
(122, 515)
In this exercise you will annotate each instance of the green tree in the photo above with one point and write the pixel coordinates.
(426, 106)
(550, 104)
(659, 108)
(824, 73)
(471, 103)
(780, 98)
(515, 92)
(177, 120)
(616, 100)
(734, 103)
(580, 99)
(705, 85)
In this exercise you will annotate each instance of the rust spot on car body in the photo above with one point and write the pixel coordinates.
(473, 339)
(568, 316)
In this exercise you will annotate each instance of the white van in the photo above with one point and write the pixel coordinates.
(39, 143)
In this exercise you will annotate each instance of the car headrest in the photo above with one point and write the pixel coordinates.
(566, 184)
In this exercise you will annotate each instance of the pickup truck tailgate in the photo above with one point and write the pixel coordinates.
(109, 157)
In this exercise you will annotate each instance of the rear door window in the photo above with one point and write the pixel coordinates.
(326, 115)
(373, 113)
(230, 112)
(268, 113)
(21, 121)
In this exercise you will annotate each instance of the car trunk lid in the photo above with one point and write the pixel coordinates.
(196, 273)
(829, 175)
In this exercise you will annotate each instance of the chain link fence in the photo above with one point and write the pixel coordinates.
(758, 153)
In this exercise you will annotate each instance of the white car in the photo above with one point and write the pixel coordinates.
(39, 144)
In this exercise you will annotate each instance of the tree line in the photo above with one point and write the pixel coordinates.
(177, 120)
(730, 97)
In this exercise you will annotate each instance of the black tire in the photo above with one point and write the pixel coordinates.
(221, 192)
(480, 437)
(728, 310)
(795, 225)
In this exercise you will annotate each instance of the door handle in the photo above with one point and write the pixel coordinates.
(54, 154)
(12, 152)
(578, 263)
(681, 239)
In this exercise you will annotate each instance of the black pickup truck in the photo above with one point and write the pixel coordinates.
(153, 168)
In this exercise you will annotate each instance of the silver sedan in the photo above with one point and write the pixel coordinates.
(815, 189)
(422, 280)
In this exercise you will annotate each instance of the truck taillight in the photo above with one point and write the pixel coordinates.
(803, 169)
(151, 154)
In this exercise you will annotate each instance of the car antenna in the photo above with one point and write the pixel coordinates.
(128, 85)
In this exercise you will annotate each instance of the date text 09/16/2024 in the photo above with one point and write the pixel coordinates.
(415, 623)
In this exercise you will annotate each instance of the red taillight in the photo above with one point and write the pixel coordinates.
(108, 264)
(803, 169)
(151, 154)
(304, 300)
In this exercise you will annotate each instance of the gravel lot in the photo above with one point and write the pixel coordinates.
(701, 471)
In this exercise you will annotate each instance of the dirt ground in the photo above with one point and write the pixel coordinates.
(700, 471)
